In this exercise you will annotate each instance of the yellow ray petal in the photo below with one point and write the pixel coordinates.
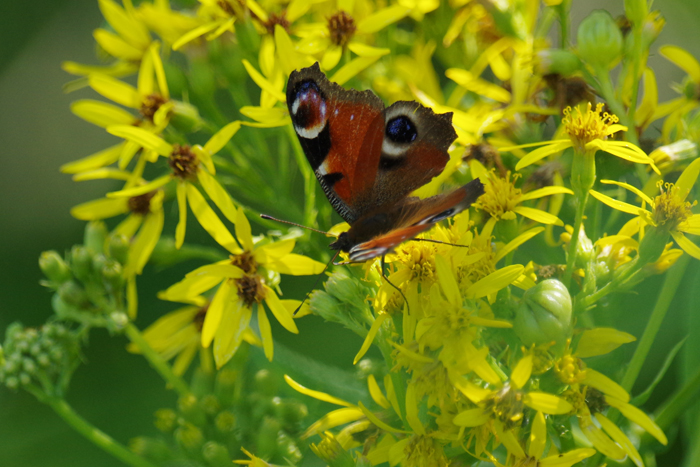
(215, 311)
(142, 137)
(218, 194)
(94, 161)
(522, 371)
(102, 208)
(546, 191)
(221, 137)
(370, 337)
(100, 113)
(209, 220)
(284, 317)
(541, 153)
(381, 19)
(181, 192)
(639, 417)
(352, 68)
(615, 204)
(265, 332)
(115, 90)
(333, 419)
(600, 341)
(262, 82)
(322, 396)
(145, 242)
(683, 60)
(605, 385)
(547, 403)
(538, 436)
(687, 179)
(495, 281)
(538, 215)
(376, 392)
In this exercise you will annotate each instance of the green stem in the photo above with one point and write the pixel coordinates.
(608, 92)
(678, 403)
(671, 283)
(636, 64)
(573, 244)
(309, 178)
(156, 361)
(98, 437)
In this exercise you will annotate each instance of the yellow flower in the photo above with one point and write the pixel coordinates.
(670, 212)
(128, 44)
(245, 281)
(254, 460)
(502, 408)
(689, 100)
(217, 18)
(502, 200)
(588, 131)
(187, 164)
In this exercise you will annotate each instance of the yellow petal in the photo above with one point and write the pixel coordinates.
(221, 270)
(322, 396)
(94, 161)
(370, 337)
(495, 281)
(333, 419)
(265, 332)
(197, 32)
(331, 57)
(605, 385)
(638, 417)
(600, 440)
(154, 51)
(145, 242)
(141, 189)
(243, 232)
(284, 317)
(117, 69)
(374, 419)
(447, 281)
(352, 68)
(473, 392)
(296, 265)
(142, 137)
(218, 195)
(101, 113)
(687, 179)
(546, 191)
(125, 25)
(516, 242)
(115, 90)
(116, 46)
(215, 311)
(567, 459)
(262, 82)
(221, 137)
(600, 341)
(541, 153)
(381, 19)
(631, 188)
(538, 215)
(522, 371)
(289, 58)
(691, 225)
(509, 440)
(615, 204)
(471, 418)
(683, 60)
(538, 436)
(102, 208)
(412, 417)
(235, 321)
(181, 193)
(209, 220)
(274, 251)
(618, 436)
(364, 50)
(547, 403)
(376, 392)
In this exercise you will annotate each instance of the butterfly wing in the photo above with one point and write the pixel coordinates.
(408, 220)
(364, 155)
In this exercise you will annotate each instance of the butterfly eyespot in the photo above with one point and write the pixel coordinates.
(308, 110)
(401, 130)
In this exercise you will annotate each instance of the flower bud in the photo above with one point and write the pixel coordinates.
(332, 452)
(54, 267)
(216, 455)
(166, 420)
(185, 117)
(267, 437)
(190, 438)
(225, 386)
(652, 245)
(636, 10)
(651, 28)
(544, 314)
(266, 382)
(72, 294)
(290, 411)
(288, 449)
(599, 40)
(81, 263)
(95, 236)
(225, 422)
(112, 274)
(556, 61)
(155, 450)
(191, 410)
(119, 248)
(210, 404)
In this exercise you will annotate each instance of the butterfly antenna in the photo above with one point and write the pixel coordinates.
(265, 216)
(393, 285)
(320, 276)
(438, 241)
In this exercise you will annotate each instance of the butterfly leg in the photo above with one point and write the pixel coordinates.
(392, 284)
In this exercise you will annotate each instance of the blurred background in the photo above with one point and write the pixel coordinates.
(117, 391)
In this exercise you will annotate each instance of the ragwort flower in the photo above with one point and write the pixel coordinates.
(245, 281)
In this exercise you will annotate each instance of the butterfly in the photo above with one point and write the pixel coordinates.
(368, 159)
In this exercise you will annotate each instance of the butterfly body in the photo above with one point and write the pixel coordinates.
(368, 159)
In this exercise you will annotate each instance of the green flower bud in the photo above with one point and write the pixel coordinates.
(112, 274)
(331, 451)
(12, 382)
(599, 40)
(73, 294)
(651, 28)
(81, 263)
(216, 455)
(544, 314)
(155, 450)
(287, 448)
(225, 422)
(190, 438)
(266, 382)
(119, 248)
(191, 410)
(166, 419)
(54, 267)
(96, 236)
(290, 411)
(210, 404)
(267, 437)
(556, 61)
(185, 117)
(225, 386)
(653, 244)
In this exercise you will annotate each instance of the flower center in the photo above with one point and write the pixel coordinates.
(586, 127)
(570, 369)
(595, 400)
(487, 155)
(500, 197)
(421, 451)
(276, 19)
(341, 27)
(226, 7)
(150, 105)
(419, 258)
(141, 204)
(250, 289)
(507, 406)
(670, 209)
(183, 162)
(245, 261)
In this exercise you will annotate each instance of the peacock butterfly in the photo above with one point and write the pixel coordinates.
(368, 159)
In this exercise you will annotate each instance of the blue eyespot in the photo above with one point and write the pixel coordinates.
(401, 130)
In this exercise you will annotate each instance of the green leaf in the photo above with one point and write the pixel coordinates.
(644, 396)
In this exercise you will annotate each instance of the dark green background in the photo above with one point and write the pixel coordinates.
(114, 390)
